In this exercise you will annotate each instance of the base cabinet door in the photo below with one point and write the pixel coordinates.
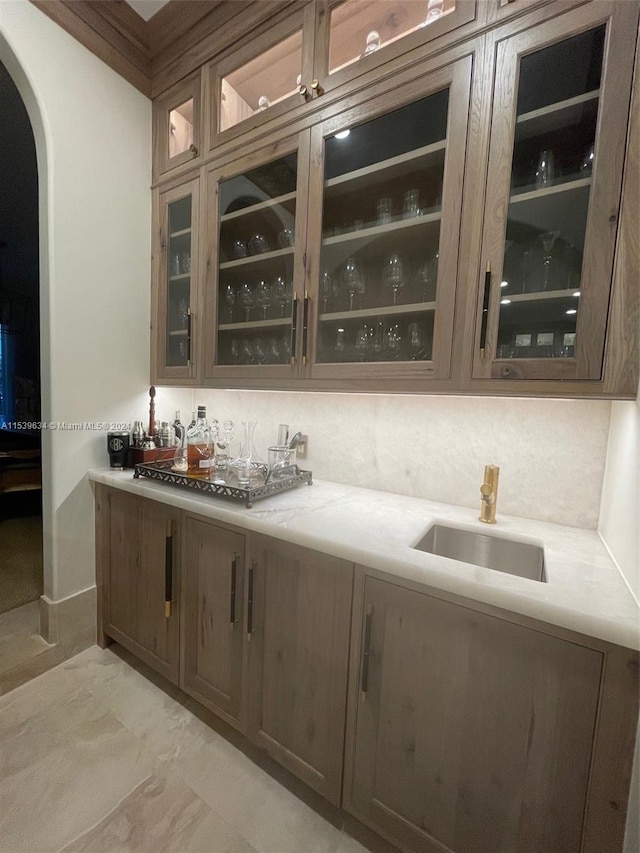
(472, 734)
(298, 623)
(213, 596)
(139, 578)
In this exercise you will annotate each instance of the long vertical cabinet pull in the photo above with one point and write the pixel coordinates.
(189, 322)
(364, 668)
(168, 569)
(305, 325)
(252, 572)
(294, 328)
(485, 310)
(232, 604)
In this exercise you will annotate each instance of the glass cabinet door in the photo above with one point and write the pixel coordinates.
(177, 292)
(251, 295)
(391, 197)
(545, 302)
(177, 125)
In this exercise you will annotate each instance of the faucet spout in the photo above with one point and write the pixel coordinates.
(489, 494)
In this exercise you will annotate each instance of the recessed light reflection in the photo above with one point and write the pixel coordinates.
(577, 293)
(505, 302)
(504, 284)
(343, 134)
(341, 330)
(571, 311)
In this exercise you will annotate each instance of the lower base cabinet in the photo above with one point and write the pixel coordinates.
(137, 550)
(443, 725)
(472, 734)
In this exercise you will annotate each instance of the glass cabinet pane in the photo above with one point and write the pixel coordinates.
(178, 341)
(262, 82)
(553, 163)
(381, 236)
(181, 128)
(255, 282)
(360, 27)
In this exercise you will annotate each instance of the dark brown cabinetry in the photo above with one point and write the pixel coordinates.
(138, 577)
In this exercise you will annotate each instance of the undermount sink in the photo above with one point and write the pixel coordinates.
(523, 559)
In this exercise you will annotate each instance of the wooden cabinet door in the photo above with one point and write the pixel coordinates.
(557, 148)
(213, 596)
(298, 624)
(472, 734)
(138, 580)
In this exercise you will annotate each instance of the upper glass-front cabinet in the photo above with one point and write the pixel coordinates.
(383, 284)
(177, 258)
(319, 46)
(177, 125)
(553, 209)
(259, 219)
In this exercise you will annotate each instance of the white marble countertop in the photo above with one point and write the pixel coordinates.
(585, 591)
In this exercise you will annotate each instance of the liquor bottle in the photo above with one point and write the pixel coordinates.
(199, 446)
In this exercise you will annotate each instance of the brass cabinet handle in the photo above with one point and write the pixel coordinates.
(232, 604)
(168, 569)
(317, 88)
(193, 149)
(250, 599)
(294, 328)
(305, 325)
(302, 90)
(485, 310)
(366, 647)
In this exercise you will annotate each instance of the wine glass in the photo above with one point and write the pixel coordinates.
(545, 173)
(263, 297)
(363, 342)
(353, 280)
(230, 297)
(280, 293)
(234, 351)
(247, 299)
(394, 276)
(415, 334)
(326, 290)
(427, 279)
(548, 240)
(394, 340)
(248, 355)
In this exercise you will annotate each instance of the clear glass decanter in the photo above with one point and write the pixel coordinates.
(249, 469)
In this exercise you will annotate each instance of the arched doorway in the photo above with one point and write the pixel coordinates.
(21, 510)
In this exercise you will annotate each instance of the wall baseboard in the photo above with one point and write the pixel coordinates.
(69, 622)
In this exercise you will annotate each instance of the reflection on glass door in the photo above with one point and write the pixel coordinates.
(179, 270)
(552, 169)
(381, 236)
(255, 282)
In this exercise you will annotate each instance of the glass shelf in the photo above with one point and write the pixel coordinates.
(385, 311)
(254, 324)
(254, 259)
(259, 206)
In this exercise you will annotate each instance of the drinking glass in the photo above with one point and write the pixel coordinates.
(247, 354)
(545, 173)
(384, 210)
(411, 204)
(230, 297)
(364, 341)
(263, 297)
(274, 356)
(224, 437)
(415, 334)
(234, 351)
(286, 238)
(427, 279)
(379, 339)
(183, 310)
(548, 240)
(394, 275)
(280, 293)
(327, 289)
(586, 167)
(341, 342)
(174, 265)
(394, 340)
(259, 245)
(185, 262)
(239, 249)
(261, 351)
(353, 281)
(247, 299)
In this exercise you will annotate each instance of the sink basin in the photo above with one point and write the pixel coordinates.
(523, 559)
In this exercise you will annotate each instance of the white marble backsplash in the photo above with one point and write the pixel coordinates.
(551, 452)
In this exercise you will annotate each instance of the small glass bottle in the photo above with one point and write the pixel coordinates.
(199, 446)
(180, 430)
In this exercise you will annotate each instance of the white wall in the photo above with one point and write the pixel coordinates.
(551, 452)
(93, 138)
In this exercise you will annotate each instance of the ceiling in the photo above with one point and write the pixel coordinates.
(147, 8)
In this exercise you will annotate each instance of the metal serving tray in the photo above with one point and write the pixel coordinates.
(277, 481)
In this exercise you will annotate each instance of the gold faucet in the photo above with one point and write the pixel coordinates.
(489, 494)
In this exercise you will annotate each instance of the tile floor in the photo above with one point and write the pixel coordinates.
(95, 758)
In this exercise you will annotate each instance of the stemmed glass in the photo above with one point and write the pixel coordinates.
(263, 296)
(326, 290)
(247, 299)
(280, 293)
(394, 276)
(548, 239)
(353, 280)
(230, 297)
(427, 278)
